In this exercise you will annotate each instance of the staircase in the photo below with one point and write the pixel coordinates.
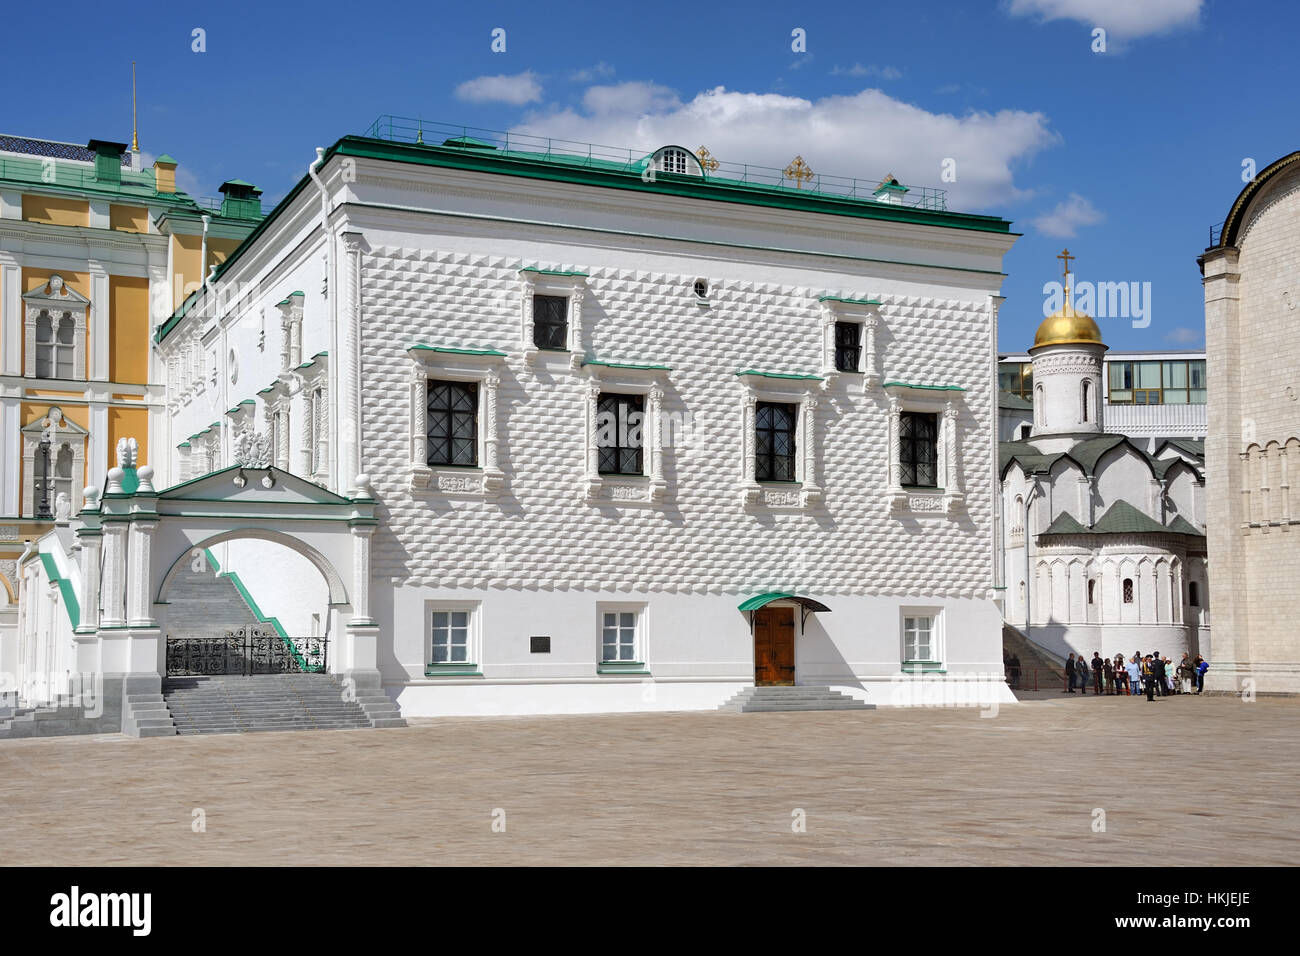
(1031, 655)
(230, 704)
(754, 700)
(201, 604)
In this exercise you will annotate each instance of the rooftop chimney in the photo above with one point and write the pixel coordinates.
(241, 200)
(164, 174)
(108, 160)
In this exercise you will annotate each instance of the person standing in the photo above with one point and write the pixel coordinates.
(1015, 671)
(1069, 672)
(1202, 665)
(1096, 672)
(1134, 676)
(1108, 671)
(1149, 677)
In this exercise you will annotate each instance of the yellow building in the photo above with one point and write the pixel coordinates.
(95, 252)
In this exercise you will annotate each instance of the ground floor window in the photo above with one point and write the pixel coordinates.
(918, 638)
(451, 644)
(618, 636)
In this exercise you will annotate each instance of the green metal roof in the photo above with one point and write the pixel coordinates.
(629, 365)
(453, 351)
(552, 272)
(70, 603)
(1065, 524)
(836, 298)
(1012, 400)
(1124, 518)
(928, 388)
(805, 378)
(762, 600)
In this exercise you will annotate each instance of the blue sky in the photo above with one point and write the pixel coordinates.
(1127, 157)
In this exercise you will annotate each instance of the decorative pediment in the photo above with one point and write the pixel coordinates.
(54, 420)
(55, 295)
(283, 488)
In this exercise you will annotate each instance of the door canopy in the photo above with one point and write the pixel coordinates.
(762, 600)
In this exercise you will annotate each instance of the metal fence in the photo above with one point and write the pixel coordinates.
(249, 650)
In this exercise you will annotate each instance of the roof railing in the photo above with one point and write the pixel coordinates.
(402, 129)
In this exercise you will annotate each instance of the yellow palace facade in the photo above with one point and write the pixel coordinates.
(94, 251)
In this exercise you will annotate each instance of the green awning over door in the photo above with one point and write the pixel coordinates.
(762, 600)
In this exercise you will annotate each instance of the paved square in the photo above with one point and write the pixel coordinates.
(1214, 777)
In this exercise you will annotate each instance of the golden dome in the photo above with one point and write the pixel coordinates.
(1066, 326)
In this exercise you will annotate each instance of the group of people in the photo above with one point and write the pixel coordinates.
(1150, 672)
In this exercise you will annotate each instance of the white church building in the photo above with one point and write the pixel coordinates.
(1102, 542)
(518, 430)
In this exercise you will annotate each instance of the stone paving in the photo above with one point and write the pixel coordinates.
(1213, 776)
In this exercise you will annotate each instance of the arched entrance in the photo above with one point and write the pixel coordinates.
(246, 602)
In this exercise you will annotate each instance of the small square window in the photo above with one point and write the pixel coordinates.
(918, 638)
(848, 346)
(539, 644)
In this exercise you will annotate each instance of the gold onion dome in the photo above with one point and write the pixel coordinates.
(1067, 326)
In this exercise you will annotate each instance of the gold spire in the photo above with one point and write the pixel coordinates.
(1067, 325)
(135, 137)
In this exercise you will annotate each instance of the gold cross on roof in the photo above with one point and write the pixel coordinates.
(1065, 255)
(706, 158)
(799, 171)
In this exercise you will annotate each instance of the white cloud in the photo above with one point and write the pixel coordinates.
(633, 98)
(857, 69)
(516, 90)
(599, 71)
(1121, 18)
(1184, 336)
(867, 134)
(1068, 217)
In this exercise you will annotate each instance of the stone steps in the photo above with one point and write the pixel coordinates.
(265, 702)
(754, 700)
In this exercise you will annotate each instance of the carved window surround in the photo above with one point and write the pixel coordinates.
(942, 400)
(647, 380)
(315, 419)
(571, 285)
(291, 309)
(801, 390)
(483, 366)
(58, 302)
(866, 312)
(61, 432)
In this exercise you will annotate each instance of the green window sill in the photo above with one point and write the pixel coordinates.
(622, 667)
(924, 667)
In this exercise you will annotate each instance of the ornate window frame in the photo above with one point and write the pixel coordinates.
(865, 312)
(59, 302)
(802, 390)
(62, 432)
(647, 380)
(483, 366)
(291, 309)
(942, 400)
(315, 417)
(570, 285)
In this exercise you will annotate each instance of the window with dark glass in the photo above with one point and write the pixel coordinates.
(550, 321)
(848, 345)
(1128, 590)
(774, 442)
(452, 421)
(1017, 378)
(1193, 594)
(918, 449)
(619, 422)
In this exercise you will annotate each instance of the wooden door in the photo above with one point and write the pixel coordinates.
(774, 645)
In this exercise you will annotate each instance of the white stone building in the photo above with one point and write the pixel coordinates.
(634, 434)
(1102, 542)
(1251, 277)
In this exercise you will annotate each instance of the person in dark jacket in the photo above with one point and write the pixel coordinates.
(1158, 669)
(1015, 671)
(1069, 673)
(1096, 672)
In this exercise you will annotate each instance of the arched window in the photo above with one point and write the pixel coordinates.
(1040, 406)
(1128, 590)
(1087, 398)
(1193, 594)
(1092, 592)
(674, 161)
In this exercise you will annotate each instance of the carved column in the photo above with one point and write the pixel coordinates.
(593, 439)
(952, 477)
(828, 342)
(361, 534)
(91, 546)
(139, 584)
(811, 488)
(575, 327)
(655, 434)
(1245, 489)
(350, 401)
(895, 449)
(286, 334)
(872, 377)
(526, 318)
(114, 573)
(492, 474)
(1284, 487)
(1265, 505)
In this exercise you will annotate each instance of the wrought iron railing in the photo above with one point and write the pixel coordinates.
(403, 129)
(249, 650)
(1216, 232)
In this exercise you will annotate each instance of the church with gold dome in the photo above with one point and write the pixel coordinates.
(1102, 542)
